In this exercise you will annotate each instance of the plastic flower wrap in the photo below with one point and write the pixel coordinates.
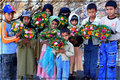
(87, 31)
(102, 33)
(74, 31)
(28, 33)
(57, 43)
(47, 34)
(17, 26)
(63, 21)
(40, 20)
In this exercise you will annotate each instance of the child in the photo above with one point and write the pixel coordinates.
(65, 11)
(53, 24)
(91, 46)
(76, 60)
(62, 56)
(48, 8)
(25, 52)
(8, 45)
(108, 49)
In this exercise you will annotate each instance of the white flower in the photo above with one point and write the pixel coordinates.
(37, 22)
(55, 43)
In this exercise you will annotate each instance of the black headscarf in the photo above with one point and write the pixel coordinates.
(64, 10)
(48, 6)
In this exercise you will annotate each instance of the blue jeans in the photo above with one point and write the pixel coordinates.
(8, 66)
(63, 69)
(90, 59)
(0, 69)
(107, 69)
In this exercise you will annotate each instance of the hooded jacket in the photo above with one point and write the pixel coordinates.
(51, 18)
(79, 38)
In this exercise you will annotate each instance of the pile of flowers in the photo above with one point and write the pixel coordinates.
(40, 20)
(57, 43)
(102, 33)
(17, 26)
(74, 31)
(87, 30)
(28, 33)
(63, 21)
(48, 34)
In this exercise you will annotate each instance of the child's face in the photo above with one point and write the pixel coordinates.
(64, 13)
(26, 20)
(91, 12)
(9, 16)
(48, 11)
(74, 22)
(65, 36)
(110, 11)
(54, 24)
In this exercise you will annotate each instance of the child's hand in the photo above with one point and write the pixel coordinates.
(60, 51)
(18, 34)
(26, 41)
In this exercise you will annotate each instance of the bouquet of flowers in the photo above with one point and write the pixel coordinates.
(40, 20)
(63, 21)
(47, 34)
(17, 26)
(87, 31)
(57, 43)
(74, 31)
(102, 33)
(28, 33)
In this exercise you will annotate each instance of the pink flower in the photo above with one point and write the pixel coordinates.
(26, 36)
(43, 35)
(89, 29)
(30, 37)
(86, 28)
(103, 31)
(84, 33)
(12, 28)
(50, 35)
(74, 26)
(21, 25)
(71, 34)
(27, 32)
(77, 29)
(16, 26)
(102, 37)
(39, 19)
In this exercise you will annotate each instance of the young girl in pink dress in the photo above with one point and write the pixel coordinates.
(46, 65)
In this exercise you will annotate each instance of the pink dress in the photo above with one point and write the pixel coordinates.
(40, 71)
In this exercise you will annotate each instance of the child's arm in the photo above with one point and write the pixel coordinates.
(4, 37)
(116, 36)
(69, 52)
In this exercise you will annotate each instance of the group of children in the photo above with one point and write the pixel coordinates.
(29, 57)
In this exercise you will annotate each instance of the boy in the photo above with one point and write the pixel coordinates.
(8, 46)
(91, 46)
(76, 60)
(108, 49)
(62, 56)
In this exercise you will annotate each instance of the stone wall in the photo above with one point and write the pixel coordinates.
(77, 6)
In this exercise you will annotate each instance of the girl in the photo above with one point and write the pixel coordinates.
(48, 8)
(76, 60)
(46, 53)
(65, 11)
(25, 52)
